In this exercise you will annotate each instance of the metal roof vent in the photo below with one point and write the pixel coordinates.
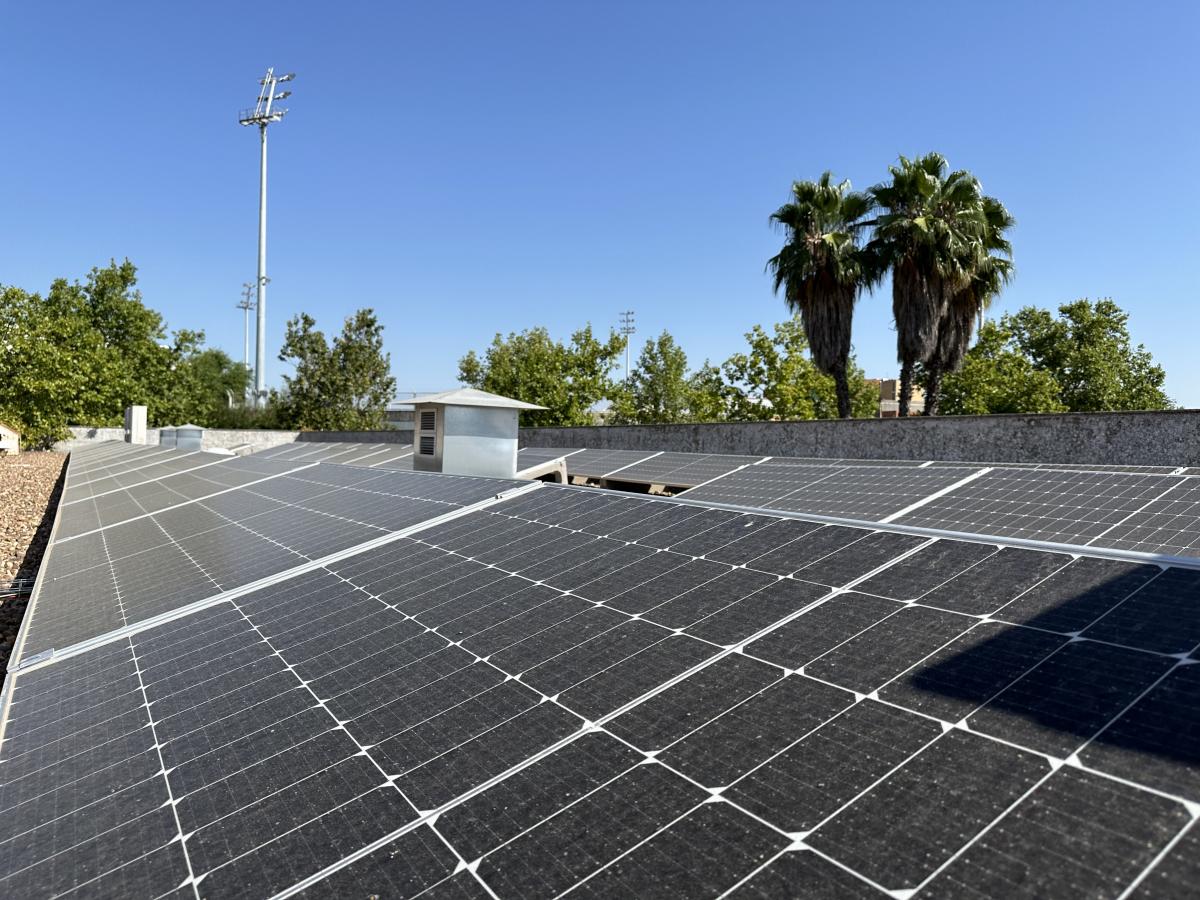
(189, 437)
(466, 432)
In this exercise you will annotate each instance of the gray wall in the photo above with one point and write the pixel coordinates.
(1140, 438)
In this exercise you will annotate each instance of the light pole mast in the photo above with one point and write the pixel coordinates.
(627, 329)
(245, 306)
(263, 114)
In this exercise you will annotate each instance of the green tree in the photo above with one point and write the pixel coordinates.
(658, 389)
(925, 234)
(49, 364)
(709, 396)
(204, 383)
(1081, 360)
(568, 379)
(343, 386)
(997, 377)
(220, 377)
(1088, 351)
(775, 379)
(85, 351)
(823, 269)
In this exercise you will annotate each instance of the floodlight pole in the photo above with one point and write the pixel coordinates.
(261, 300)
(262, 115)
(245, 306)
(627, 329)
(260, 315)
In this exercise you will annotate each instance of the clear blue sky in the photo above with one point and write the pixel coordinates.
(468, 168)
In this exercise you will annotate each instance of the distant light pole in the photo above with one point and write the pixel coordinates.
(627, 329)
(245, 306)
(263, 114)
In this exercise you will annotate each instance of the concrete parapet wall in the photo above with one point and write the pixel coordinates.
(1135, 438)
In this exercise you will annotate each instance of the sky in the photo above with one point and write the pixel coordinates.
(473, 168)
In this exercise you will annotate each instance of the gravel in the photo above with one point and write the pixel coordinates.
(29, 492)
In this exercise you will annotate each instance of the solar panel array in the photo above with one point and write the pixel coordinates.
(567, 690)
(1137, 512)
(370, 455)
(689, 470)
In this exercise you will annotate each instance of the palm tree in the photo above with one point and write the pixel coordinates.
(930, 220)
(823, 269)
(991, 269)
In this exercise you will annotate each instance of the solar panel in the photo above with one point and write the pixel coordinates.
(1066, 467)
(1169, 524)
(157, 563)
(169, 490)
(401, 462)
(680, 469)
(371, 454)
(1090, 467)
(528, 457)
(1061, 507)
(870, 493)
(598, 463)
(609, 695)
(820, 461)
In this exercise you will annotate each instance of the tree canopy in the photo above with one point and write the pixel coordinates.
(1081, 360)
(568, 379)
(345, 385)
(659, 389)
(85, 351)
(775, 378)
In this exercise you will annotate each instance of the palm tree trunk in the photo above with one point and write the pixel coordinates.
(933, 389)
(906, 380)
(842, 384)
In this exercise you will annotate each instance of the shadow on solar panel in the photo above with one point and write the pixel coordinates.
(1093, 662)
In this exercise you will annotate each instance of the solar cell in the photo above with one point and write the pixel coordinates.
(803, 873)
